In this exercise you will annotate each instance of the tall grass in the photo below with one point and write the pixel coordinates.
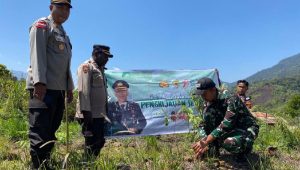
(152, 152)
(13, 113)
(280, 136)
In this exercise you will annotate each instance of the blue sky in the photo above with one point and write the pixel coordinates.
(238, 37)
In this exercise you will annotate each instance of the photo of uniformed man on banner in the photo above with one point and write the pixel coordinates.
(126, 116)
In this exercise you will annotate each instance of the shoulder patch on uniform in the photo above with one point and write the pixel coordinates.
(41, 24)
(85, 68)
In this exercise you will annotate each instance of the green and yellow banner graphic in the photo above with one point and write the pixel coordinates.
(149, 102)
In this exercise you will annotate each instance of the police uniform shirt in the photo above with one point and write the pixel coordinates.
(92, 93)
(50, 56)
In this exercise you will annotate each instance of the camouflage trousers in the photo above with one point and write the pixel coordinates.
(237, 141)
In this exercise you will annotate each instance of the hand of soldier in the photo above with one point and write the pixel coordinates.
(70, 96)
(249, 104)
(198, 144)
(39, 91)
(200, 153)
(200, 148)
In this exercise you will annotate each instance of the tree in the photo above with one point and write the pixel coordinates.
(4, 72)
(293, 106)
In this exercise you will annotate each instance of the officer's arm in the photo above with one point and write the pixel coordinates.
(228, 121)
(38, 48)
(84, 87)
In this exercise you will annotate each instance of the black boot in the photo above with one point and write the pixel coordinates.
(35, 162)
(39, 162)
(242, 158)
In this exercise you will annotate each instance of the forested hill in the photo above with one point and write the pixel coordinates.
(272, 94)
(286, 68)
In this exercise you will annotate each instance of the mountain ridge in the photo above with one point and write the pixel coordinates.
(286, 68)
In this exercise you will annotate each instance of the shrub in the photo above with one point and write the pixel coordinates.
(292, 107)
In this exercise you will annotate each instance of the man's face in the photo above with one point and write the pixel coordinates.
(209, 95)
(60, 13)
(101, 58)
(241, 89)
(121, 94)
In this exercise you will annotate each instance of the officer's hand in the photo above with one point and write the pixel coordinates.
(39, 91)
(88, 116)
(133, 130)
(70, 96)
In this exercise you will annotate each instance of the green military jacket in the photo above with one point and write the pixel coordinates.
(226, 114)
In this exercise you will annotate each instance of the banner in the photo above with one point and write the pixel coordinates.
(148, 102)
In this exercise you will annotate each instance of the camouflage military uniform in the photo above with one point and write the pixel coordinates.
(246, 100)
(125, 116)
(230, 122)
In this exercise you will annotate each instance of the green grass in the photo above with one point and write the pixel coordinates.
(141, 153)
(152, 152)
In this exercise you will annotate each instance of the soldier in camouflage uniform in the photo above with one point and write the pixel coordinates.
(227, 122)
(241, 89)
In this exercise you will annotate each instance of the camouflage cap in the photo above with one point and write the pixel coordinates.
(105, 49)
(204, 84)
(120, 85)
(67, 2)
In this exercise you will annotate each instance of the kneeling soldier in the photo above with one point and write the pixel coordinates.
(227, 123)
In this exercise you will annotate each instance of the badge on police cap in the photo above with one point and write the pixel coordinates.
(61, 46)
(120, 84)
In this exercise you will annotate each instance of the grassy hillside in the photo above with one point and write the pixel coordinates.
(287, 68)
(272, 95)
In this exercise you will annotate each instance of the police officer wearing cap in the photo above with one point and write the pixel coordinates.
(49, 76)
(92, 98)
(125, 116)
(227, 123)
